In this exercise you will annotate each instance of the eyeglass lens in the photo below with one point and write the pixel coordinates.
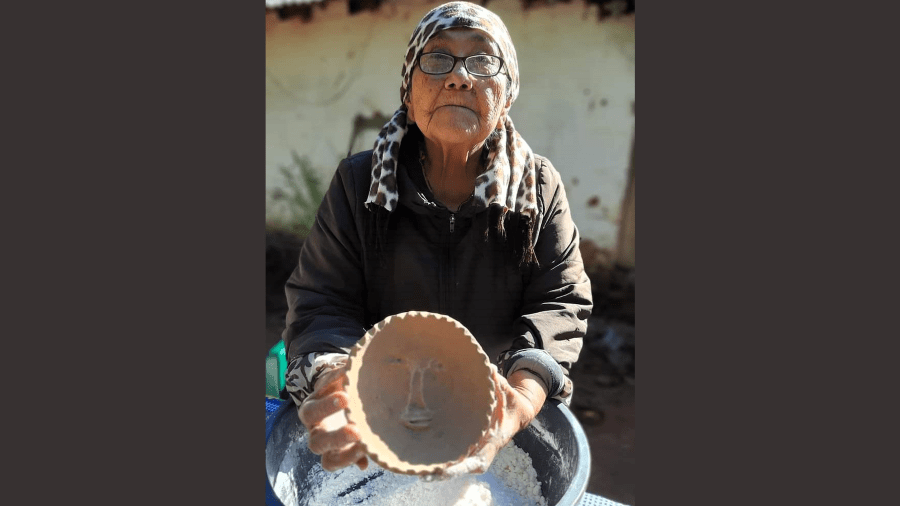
(480, 64)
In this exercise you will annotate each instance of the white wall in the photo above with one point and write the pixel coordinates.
(575, 104)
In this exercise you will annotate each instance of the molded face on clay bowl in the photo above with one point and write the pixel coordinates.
(421, 392)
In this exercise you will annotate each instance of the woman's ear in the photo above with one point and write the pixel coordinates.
(506, 107)
(502, 120)
(410, 113)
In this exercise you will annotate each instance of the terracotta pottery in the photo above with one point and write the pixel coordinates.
(421, 392)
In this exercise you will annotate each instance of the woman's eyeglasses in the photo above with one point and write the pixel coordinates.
(482, 65)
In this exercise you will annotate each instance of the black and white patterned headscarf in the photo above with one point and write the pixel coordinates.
(509, 177)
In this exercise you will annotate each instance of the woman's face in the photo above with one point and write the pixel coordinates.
(458, 108)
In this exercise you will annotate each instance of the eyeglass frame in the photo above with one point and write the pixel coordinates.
(464, 59)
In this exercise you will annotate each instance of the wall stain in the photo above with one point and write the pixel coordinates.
(593, 201)
(304, 11)
(612, 8)
(362, 123)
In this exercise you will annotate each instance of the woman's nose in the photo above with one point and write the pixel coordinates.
(459, 77)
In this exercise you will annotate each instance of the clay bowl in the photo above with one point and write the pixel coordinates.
(421, 392)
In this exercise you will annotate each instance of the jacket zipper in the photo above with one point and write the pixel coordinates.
(447, 269)
(444, 273)
(453, 215)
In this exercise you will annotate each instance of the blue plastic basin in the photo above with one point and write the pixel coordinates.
(555, 441)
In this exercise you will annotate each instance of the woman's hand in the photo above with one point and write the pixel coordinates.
(331, 435)
(518, 401)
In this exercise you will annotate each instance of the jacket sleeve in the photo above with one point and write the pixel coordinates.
(326, 291)
(557, 300)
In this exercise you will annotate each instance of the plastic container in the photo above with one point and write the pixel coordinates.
(555, 441)
(276, 366)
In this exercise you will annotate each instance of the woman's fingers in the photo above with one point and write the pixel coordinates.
(322, 442)
(330, 434)
(477, 463)
(336, 459)
(313, 411)
(501, 391)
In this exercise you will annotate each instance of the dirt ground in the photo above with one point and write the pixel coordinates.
(603, 399)
(606, 413)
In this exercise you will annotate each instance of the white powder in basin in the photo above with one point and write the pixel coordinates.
(510, 481)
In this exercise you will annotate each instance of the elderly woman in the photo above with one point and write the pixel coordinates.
(450, 213)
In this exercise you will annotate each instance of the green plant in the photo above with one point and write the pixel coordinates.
(292, 208)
